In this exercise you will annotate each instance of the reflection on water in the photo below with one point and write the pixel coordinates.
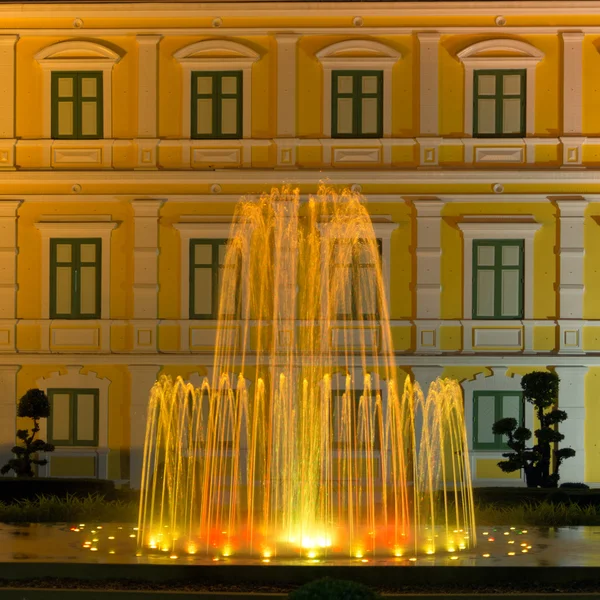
(114, 543)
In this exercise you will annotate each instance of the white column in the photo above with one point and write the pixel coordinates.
(571, 286)
(8, 411)
(142, 379)
(8, 273)
(287, 50)
(571, 398)
(147, 100)
(145, 273)
(7, 101)
(429, 78)
(429, 286)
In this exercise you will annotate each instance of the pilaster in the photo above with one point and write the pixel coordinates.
(147, 127)
(571, 398)
(429, 82)
(429, 256)
(572, 82)
(145, 274)
(8, 273)
(142, 379)
(571, 284)
(8, 411)
(7, 101)
(287, 44)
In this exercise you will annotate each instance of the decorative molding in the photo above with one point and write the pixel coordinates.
(217, 55)
(501, 229)
(75, 379)
(8, 263)
(72, 229)
(523, 56)
(358, 54)
(77, 55)
(429, 48)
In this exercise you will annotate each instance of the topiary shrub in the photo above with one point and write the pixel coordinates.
(575, 486)
(541, 390)
(35, 405)
(333, 589)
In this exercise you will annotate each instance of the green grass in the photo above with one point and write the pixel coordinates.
(543, 514)
(49, 509)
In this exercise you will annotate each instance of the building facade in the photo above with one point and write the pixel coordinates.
(128, 133)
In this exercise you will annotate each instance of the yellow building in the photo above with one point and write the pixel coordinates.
(129, 131)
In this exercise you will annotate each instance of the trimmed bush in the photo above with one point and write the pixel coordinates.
(333, 589)
(574, 486)
(16, 489)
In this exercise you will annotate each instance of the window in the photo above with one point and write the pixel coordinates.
(75, 278)
(489, 407)
(355, 422)
(216, 105)
(499, 103)
(498, 279)
(77, 105)
(353, 285)
(73, 417)
(357, 104)
(207, 267)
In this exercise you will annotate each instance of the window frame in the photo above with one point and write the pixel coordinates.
(217, 96)
(498, 97)
(76, 77)
(215, 243)
(76, 265)
(354, 316)
(357, 95)
(73, 393)
(497, 268)
(499, 444)
(356, 393)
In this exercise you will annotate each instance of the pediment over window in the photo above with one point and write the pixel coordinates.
(500, 49)
(77, 50)
(213, 50)
(361, 49)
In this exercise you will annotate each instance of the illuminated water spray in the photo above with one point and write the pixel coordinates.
(303, 442)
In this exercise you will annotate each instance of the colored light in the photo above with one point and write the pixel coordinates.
(486, 555)
(454, 558)
(413, 559)
(111, 537)
(511, 553)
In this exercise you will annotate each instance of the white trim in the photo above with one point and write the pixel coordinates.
(217, 55)
(73, 229)
(77, 55)
(476, 56)
(372, 55)
(74, 379)
(497, 382)
(503, 229)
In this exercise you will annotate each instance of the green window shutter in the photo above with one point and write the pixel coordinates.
(489, 407)
(207, 268)
(217, 105)
(77, 110)
(74, 417)
(75, 278)
(353, 282)
(357, 104)
(499, 103)
(498, 279)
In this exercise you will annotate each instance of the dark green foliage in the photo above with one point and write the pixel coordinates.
(17, 489)
(541, 390)
(575, 486)
(35, 405)
(333, 589)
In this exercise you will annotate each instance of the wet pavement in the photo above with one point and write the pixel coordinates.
(500, 546)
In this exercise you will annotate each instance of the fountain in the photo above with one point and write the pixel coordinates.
(303, 443)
